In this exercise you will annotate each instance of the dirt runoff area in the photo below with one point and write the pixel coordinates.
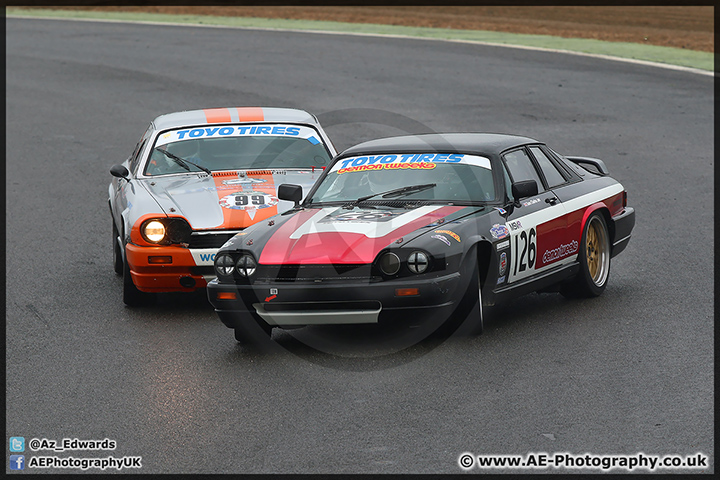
(690, 27)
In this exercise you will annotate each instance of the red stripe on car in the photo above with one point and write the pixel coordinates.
(250, 114)
(217, 115)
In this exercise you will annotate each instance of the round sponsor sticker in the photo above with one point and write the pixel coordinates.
(246, 200)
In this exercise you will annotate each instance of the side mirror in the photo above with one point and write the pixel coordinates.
(524, 189)
(120, 172)
(290, 192)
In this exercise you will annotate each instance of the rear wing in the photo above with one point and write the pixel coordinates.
(592, 165)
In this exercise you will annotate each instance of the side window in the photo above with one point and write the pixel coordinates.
(508, 183)
(521, 168)
(552, 174)
(135, 157)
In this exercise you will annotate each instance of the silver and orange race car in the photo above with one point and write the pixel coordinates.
(197, 178)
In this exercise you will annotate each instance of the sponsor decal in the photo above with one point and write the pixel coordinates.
(205, 256)
(359, 217)
(560, 252)
(442, 238)
(501, 210)
(273, 291)
(400, 161)
(394, 166)
(501, 280)
(243, 181)
(503, 263)
(531, 202)
(499, 231)
(516, 225)
(502, 245)
(240, 131)
(237, 131)
(450, 233)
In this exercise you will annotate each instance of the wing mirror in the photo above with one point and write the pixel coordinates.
(290, 192)
(120, 171)
(524, 189)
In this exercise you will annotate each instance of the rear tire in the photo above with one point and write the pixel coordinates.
(594, 258)
(132, 297)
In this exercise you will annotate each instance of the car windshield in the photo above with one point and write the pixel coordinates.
(435, 177)
(235, 147)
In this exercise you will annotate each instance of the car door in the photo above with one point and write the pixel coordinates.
(532, 224)
(123, 189)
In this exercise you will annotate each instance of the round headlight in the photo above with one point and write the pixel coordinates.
(389, 263)
(154, 231)
(418, 262)
(224, 265)
(246, 265)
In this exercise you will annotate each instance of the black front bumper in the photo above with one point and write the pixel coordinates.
(331, 303)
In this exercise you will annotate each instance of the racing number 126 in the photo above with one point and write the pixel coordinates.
(528, 248)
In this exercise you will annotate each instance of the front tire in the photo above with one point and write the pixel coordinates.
(594, 258)
(132, 297)
(253, 333)
(468, 317)
(117, 251)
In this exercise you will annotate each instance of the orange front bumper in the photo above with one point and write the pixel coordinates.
(173, 276)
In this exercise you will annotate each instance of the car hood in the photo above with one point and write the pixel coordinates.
(336, 235)
(227, 200)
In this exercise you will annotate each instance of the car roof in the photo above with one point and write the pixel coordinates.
(477, 143)
(209, 116)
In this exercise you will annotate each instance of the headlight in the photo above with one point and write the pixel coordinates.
(154, 231)
(165, 231)
(224, 264)
(418, 262)
(246, 265)
(389, 263)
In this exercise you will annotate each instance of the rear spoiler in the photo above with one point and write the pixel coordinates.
(592, 165)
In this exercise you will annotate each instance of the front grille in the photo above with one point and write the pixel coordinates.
(213, 240)
(204, 270)
(314, 273)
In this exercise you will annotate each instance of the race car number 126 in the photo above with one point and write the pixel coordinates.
(525, 251)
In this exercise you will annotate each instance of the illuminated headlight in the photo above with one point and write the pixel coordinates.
(246, 265)
(418, 262)
(224, 265)
(389, 263)
(154, 231)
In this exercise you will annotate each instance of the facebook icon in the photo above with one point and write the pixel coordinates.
(17, 462)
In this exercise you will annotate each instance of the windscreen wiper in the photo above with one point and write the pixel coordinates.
(397, 192)
(182, 162)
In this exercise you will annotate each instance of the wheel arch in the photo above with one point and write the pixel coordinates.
(483, 249)
(605, 212)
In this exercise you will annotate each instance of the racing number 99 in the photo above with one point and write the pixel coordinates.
(245, 200)
(528, 247)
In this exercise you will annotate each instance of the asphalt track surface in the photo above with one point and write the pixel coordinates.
(628, 372)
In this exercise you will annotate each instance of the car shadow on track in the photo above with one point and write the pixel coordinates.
(376, 347)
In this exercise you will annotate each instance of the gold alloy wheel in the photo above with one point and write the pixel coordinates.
(598, 251)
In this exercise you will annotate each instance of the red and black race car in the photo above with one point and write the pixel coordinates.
(439, 223)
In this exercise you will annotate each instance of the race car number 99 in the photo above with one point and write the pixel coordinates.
(242, 200)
